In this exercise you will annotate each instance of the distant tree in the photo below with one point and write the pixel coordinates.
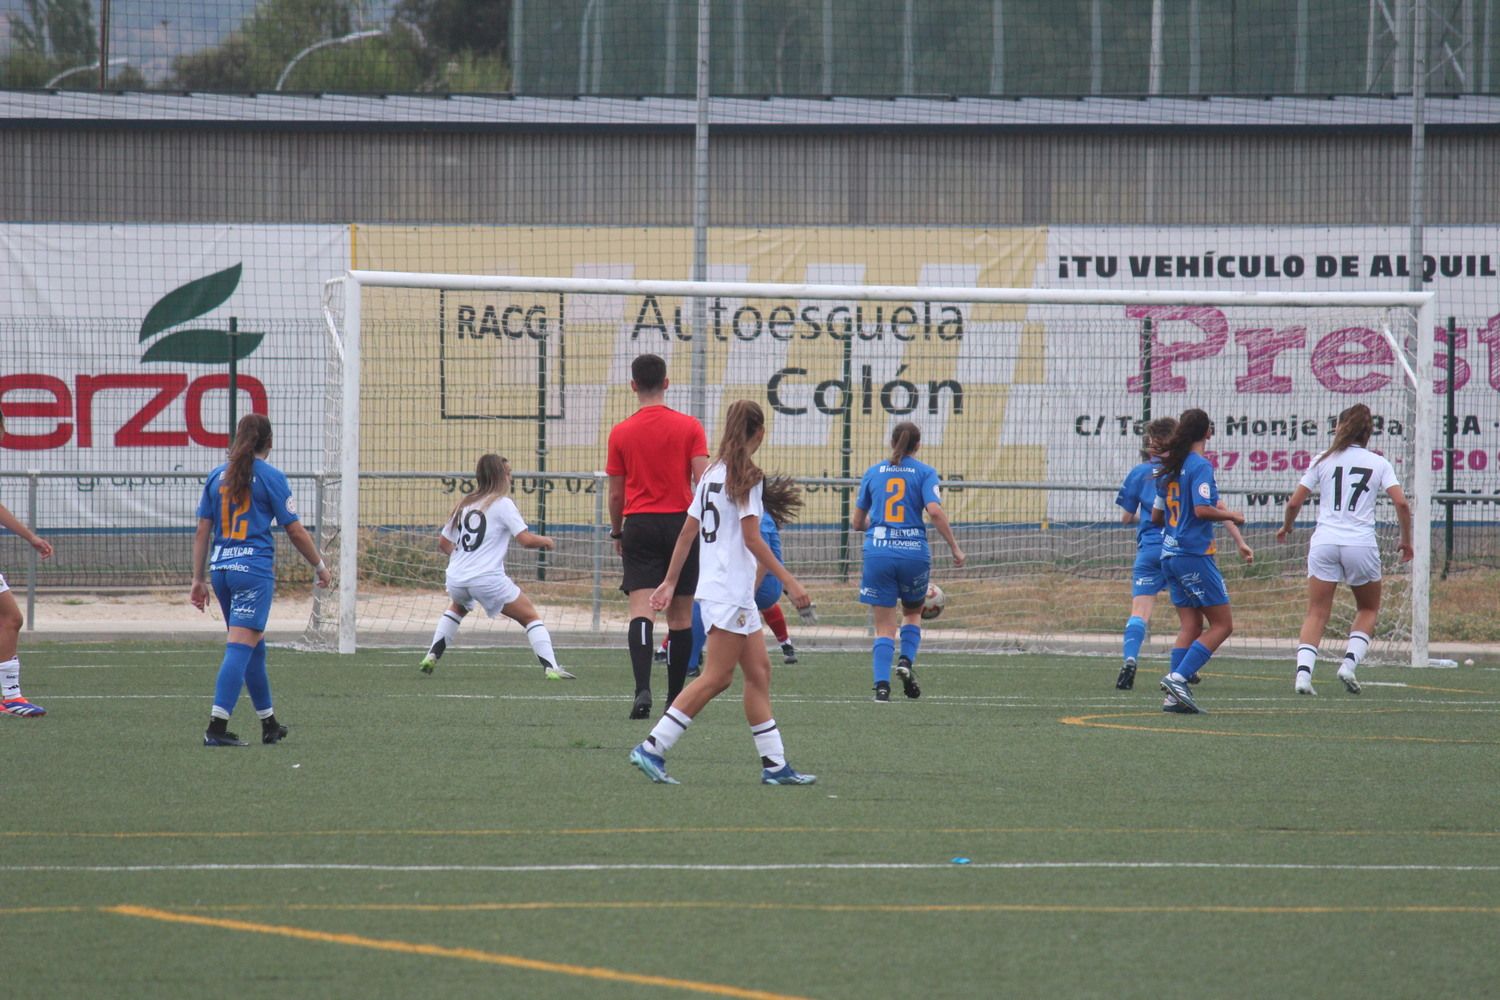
(467, 43)
(58, 29)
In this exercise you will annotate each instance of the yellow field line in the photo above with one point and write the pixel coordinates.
(837, 831)
(1090, 722)
(437, 951)
(909, 908)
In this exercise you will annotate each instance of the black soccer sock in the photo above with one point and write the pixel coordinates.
(640, 652)
(679, 651)
(217, 726)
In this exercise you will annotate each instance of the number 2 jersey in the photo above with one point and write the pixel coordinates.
(242, 530)
(480, 540)
(1348, 483)
(726, 568)
(895, 497)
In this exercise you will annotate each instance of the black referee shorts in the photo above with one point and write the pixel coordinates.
(646, 541)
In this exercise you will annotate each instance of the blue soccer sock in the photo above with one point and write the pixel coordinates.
(258, 681)
(1178, 652)
(231, 677)
(1135, 635)
(1193, 659)
(700, 637)
(883, 652)
(911, 640)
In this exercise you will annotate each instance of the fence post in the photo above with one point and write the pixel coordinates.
(601, 483)
(1450, 425)
(31, 490)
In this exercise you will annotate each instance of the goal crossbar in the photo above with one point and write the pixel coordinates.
(1420, 303)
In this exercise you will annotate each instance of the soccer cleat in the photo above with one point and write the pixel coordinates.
(1195, 678)
(272, 731)
(652, 765)
(882, 691)
(785, 775)
(908, 675)
(558, 674)
(1346, 674)
(1178, 689)
(641, 709)
(1173, 705)
(21, 708)
(788, 652)
(1303, 683)
(428, 663)
(1126, 680)
(224, 739)
(660, 656)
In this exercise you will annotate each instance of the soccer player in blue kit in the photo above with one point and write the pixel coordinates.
(893, 495)
(241, 500)
(1187, 508)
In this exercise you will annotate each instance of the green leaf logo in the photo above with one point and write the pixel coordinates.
(188, 302)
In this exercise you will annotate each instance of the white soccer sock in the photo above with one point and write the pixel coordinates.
(672, 725)
(265, 713)
(10, 678)
(541, 643)
(768, 743)
(1307, 658)
(1359, 644)
(446, 632)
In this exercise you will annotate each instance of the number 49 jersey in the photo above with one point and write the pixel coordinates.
(1348, 483)
(242, 530)
(726, 569)
(481, 539)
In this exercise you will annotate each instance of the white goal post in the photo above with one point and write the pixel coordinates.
(349, 316)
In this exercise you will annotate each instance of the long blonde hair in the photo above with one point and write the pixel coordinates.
(780, 498)
(491, 482)
(1354, 428)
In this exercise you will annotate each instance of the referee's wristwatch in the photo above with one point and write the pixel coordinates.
(617, 534)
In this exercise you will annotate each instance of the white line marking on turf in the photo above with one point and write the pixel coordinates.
(859, 866)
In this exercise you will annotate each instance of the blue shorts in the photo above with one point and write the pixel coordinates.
(768, 593)
(244, 598)
(887, 577)
(1194, 581)
(1146, 576)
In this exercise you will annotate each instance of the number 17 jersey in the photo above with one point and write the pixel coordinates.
(895, 497)
(1348, 483)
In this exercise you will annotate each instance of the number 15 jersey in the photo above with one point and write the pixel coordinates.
(481, 539)
(726, 569)
(1348, 483)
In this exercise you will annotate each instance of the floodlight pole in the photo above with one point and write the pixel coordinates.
(698, 405)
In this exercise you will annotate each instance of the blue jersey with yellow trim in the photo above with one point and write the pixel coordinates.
(1186, 533)
(1137, 495)
(242, 530)
(895, 495)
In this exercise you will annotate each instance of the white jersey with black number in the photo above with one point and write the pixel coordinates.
(481, 539)
(1348, 483)
(726, 569)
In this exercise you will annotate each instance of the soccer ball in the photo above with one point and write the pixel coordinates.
(933, 605)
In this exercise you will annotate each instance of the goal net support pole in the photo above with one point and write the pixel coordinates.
(1420, 373)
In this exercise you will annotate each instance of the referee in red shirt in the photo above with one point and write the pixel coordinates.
(655, 458)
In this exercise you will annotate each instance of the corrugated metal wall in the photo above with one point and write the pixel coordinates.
(898, 177)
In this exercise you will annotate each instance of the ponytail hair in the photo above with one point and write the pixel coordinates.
(744, 420)
(491, 482)
(781, 498)
(1354, 428)
(1157, 433)
(251, 438)
(905, 437)
(1193, 426)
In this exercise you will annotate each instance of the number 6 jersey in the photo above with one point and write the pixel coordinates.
(1348, 483)
(726, 569)
(481, 539)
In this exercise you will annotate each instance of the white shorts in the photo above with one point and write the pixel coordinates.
(1355, 565)
(730, 617)
(491, 593)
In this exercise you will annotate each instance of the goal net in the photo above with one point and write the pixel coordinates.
(1031, 403)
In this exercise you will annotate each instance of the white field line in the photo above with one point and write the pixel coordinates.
(834, 867)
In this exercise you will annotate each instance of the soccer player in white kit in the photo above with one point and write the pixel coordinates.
(1348, 478)
(475, 539)
(724, 522)
(11, 700)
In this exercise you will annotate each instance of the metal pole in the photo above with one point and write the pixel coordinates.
(1158, 18)
(846, 454)
(1450, 427)
(669, 63)
(997, 47)
(828, 48)
(517, 50)
(1418, 141)
(1146, 371)
(1421, 493)
(601, 484)
(348, 526)
(699, 398)
(739, 47)
(31, 561)
(1096, 47)
(103, 44)
(1299, 71)
(234, 376)
(1195, 47)
(908, 49)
